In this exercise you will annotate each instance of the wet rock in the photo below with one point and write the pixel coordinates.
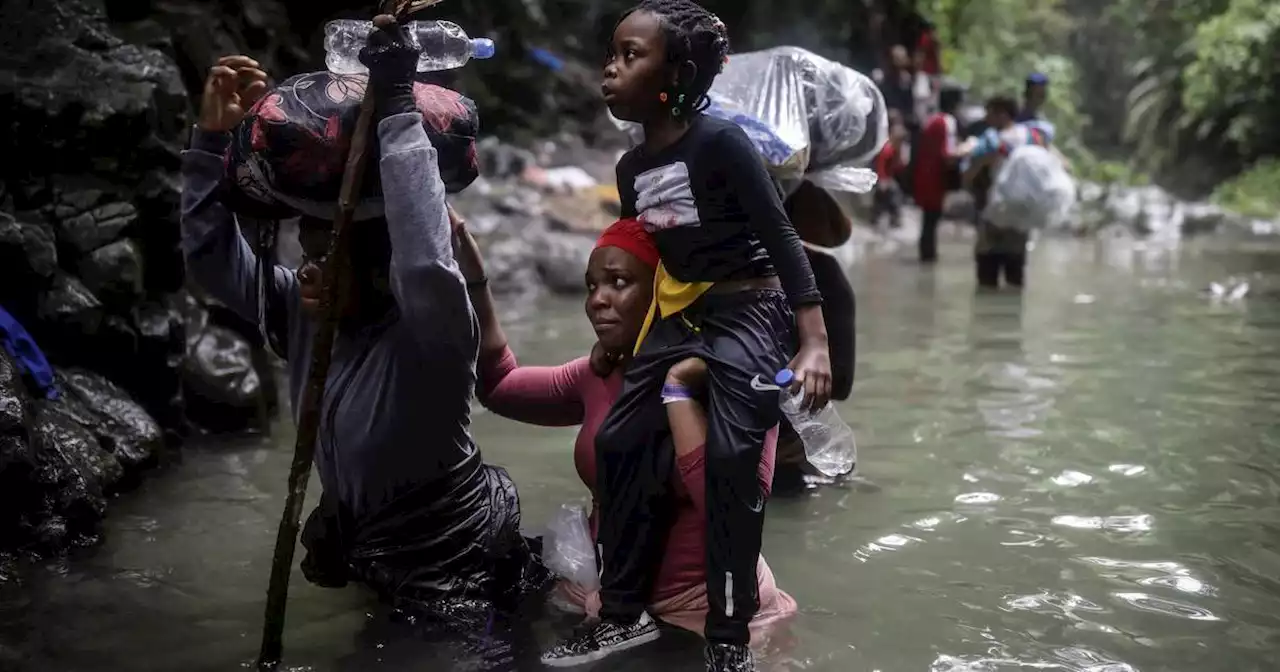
(116, 420)
(68, 306)
(8, 573)
(499, 160)
(587, 211)
(80, 99)
(162, 347)
(511, 268)
(69, 484)
(27, 250)
(90, 230)
(158, 199)
(561, 260)
(114, 273)
(13, 398)
(1203, 218)
(71, 451)
(16, 460)
(1150, 211)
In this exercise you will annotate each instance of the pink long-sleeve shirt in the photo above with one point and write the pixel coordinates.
(570, 394)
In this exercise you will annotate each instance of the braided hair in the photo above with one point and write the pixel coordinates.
(693, 35)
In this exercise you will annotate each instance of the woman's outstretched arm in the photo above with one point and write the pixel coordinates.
(538, 395)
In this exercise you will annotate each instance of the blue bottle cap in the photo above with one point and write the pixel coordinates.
(482, 47)
(784, 378)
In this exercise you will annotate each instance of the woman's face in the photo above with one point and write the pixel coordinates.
(619, 290)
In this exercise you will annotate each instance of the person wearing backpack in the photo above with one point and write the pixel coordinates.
(998, 251)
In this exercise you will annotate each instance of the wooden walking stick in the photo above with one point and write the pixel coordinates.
(333, 296)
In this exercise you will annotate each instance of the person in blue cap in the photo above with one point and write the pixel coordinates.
(1033, 97)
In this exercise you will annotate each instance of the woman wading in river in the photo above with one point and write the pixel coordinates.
(619, 281)
(408, 507)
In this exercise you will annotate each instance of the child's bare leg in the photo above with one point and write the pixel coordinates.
(685, 414)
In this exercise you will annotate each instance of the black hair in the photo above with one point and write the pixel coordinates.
(950, 98)
(693, 35)
(1003, 104)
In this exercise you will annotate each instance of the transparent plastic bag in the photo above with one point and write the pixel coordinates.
(567, 548)
(848, 179)
(1032, 191)
(805, 115)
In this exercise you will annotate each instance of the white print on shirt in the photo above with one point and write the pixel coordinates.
(664, 198)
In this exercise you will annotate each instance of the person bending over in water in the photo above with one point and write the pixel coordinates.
(727, 252)
(408, 507)
(619, 281)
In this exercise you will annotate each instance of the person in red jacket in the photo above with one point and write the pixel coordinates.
(936, 158)
(891, 161)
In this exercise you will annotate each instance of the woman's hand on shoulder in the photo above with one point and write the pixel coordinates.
(465, 250)
(604, 362)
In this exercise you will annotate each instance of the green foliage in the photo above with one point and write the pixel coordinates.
(1190, 87)
(1203, 97)
(1254, 191)
(1231, 85)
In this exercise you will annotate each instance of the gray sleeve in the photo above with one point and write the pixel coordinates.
(428, 287)
(218, 257)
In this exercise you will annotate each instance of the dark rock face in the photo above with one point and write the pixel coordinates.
(94, 110)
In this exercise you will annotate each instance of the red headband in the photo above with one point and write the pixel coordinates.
(629, 235)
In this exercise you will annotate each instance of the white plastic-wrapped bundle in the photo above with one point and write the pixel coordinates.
(809, 118)
(1032, 191)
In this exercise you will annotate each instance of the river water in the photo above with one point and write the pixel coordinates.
(1084, 477)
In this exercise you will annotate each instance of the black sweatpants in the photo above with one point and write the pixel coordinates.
(740, 336)
(929, 235)
(999, 252)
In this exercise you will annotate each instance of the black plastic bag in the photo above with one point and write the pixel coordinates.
(440, 543)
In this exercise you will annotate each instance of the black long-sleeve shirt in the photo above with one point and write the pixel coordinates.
(713, 210)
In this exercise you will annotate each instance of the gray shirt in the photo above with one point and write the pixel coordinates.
(397, 402)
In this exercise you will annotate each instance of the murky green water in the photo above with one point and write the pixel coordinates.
(1081, 478)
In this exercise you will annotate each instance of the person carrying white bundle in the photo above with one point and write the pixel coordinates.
(1032, 191)
(999, 250)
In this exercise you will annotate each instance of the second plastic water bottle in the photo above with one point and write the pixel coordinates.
(444, 44)
(828, 441)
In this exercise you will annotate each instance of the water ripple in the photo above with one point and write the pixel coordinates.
(1136, 523)
(1166, 607)
(1161, 574)
(1072, 479)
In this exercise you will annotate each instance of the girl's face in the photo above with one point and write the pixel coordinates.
(619, 290)
(635, 68)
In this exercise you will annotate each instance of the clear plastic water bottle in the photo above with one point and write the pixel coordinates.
(444, 44)
(828, 442)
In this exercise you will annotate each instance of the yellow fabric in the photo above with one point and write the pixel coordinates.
(670, 296)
